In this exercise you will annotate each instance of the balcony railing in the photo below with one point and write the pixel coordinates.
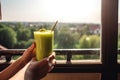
(68, 52)
(68, 65)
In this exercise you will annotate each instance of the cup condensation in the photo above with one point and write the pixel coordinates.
(44, 43)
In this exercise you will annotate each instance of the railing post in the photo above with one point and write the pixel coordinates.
(8, 58)
(69, 56)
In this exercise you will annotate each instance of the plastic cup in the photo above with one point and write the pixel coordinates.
(44, 43)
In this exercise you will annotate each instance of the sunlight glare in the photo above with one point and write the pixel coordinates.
(70, 10)
(52, 10)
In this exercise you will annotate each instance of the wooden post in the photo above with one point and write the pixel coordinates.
(109, 39)
(0, 11)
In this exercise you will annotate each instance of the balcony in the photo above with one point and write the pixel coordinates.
(105, 69)
(65, 69)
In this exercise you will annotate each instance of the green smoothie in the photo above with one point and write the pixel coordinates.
(44, 43)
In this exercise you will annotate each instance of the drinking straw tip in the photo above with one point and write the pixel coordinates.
(54, 26)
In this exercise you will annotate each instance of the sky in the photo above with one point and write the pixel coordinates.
(88, 11)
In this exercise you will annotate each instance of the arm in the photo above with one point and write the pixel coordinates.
(12, 69)
(19, 64)
(36, 70)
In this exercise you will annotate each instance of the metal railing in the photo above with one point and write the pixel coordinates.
(62, 68)
(59, 68)
(68, 52)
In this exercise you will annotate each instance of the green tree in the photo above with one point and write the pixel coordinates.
(118, 39)
(84, 42)
(94, 41)
(91, 41)
(7, 37)
(65, 39)
(23, 33)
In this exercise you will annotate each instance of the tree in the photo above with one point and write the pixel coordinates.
(23, 44)
(91, 41)
(118, 39)
(65, 39)
(7, 37)
(84, 42)
(23, 33)
(95, 41)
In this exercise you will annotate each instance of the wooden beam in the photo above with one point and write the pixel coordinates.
(109, 39)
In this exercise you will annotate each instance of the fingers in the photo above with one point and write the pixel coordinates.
(31, 48)
(51, 61)
(51, 57)
(51, 64)
(34, 59)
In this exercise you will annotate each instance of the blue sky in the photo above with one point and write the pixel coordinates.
(52, 10)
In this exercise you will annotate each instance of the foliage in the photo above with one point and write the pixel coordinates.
(67, 36)
(95, 41)
(7, 37)
(23, 34)
(65, 39)
(119, 40)
(84, 42)
(90, 41)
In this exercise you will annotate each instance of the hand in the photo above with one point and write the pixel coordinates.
(38, 69)
(29, 53)
(14, 68)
